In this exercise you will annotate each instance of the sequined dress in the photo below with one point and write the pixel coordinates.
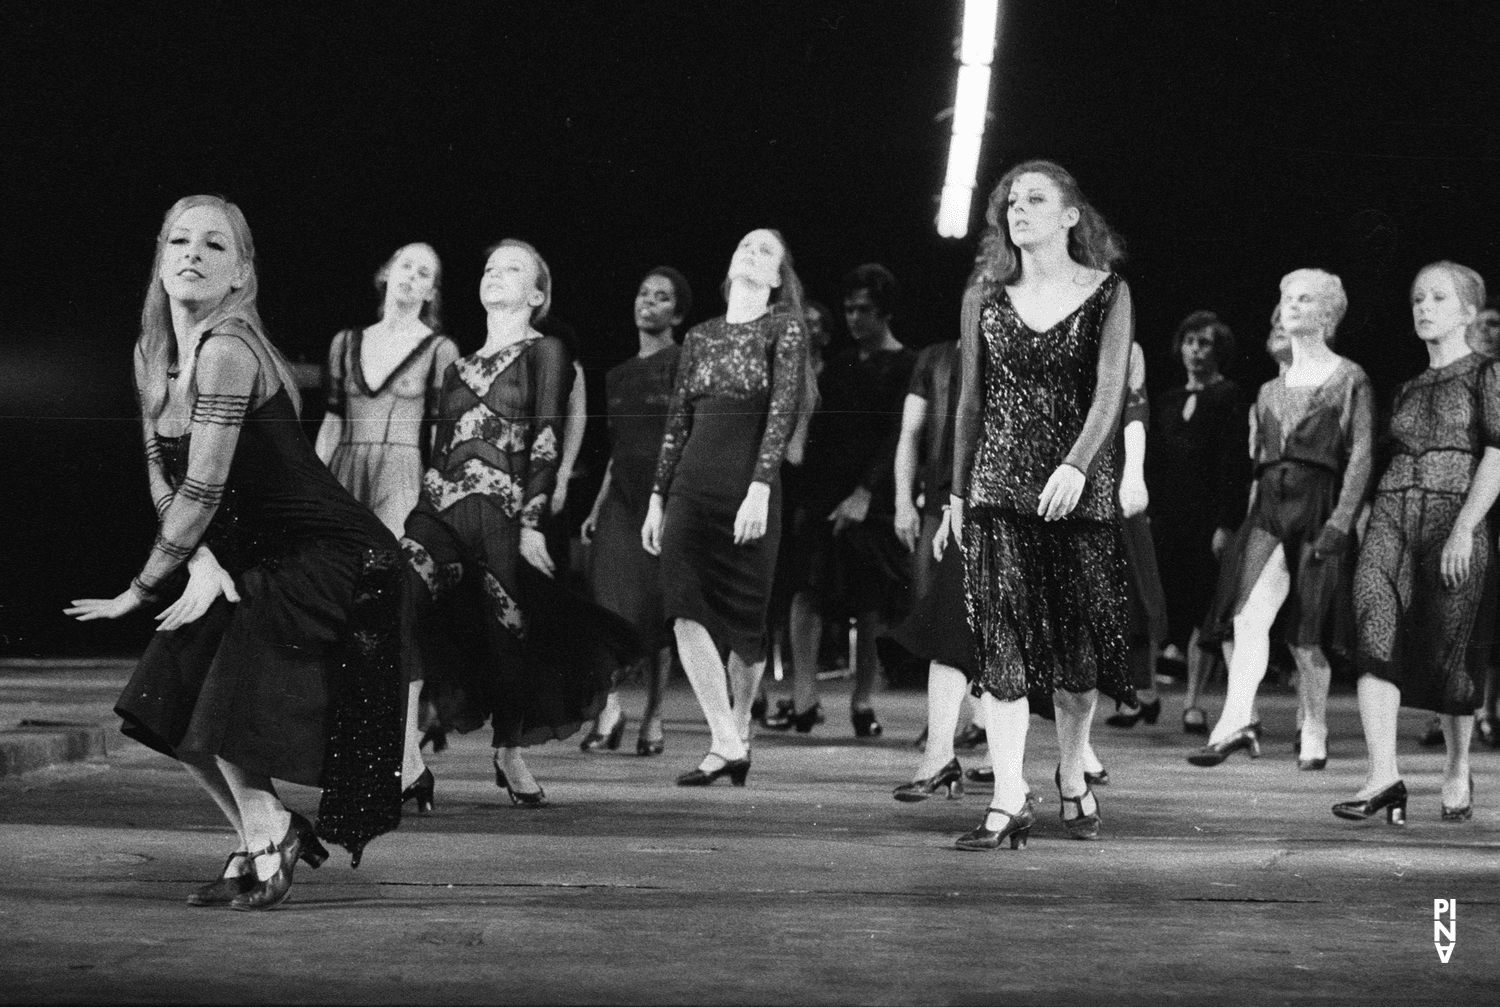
(1046, 599)
(738, 389)
(624, 576)
(499, 640)
(383, 440)
(1313, 455)
(1413, 630)
(301, 680)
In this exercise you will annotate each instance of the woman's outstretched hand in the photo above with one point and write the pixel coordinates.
(534, 551)
(1458, 557)
(89, 609)
(1061, 494)
(750, 522)
(207, 581)
(651, 530)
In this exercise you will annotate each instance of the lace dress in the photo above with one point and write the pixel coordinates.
(1046, 599)
(499, 640)
(384, 438)
(733, 407)
(625, 577)
(301, 680)
(1313, 454)
(1413, 630)
(1199, 476)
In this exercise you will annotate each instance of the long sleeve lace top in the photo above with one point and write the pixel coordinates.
(734, 404)
(1031, 401)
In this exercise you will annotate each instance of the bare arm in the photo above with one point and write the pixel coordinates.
(913, 420)
(573, 428)
(1134, 498)
(331, 431)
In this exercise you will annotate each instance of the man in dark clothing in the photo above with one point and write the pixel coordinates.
(859, 569)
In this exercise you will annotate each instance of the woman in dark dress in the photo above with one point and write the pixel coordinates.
(1422, 564)
(1313, 436)
(625, 578)
(281, 657)
(1199, 475)
(383, 383)
(715, 512)
(1046, 348)
(500, 639)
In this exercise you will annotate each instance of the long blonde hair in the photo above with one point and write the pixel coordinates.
(156, 347)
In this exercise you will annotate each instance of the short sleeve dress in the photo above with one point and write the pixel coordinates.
(736, 399)
(1413, 630)
(384, 441)
(499, 640)
(301, 680)
(1047, 599)
(626, 578)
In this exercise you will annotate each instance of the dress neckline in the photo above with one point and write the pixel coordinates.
(1065, 318)
(358, 363)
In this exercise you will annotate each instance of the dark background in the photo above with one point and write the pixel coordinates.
(1229, 143)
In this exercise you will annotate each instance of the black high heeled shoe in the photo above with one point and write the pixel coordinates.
(736, 769)
(1017, 829)
(593, 741)
(758, 707)
(1081, 826)
(1194, 720)
(645, 746)
(980, 774)
(970, 738)
(1099, 779)
(1149, 712)
(949, 778)
(1310, 765)
(1464, 813)
(1484, 730)
(299, 843)
(226, 887)
(1216, 752)
(422, 791)
(522, 798)
(1391, 800)
(787, 717)
(865, 724)
(435, 736)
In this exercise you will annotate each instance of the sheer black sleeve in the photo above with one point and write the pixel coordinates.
(1109, 387)
(679, 419)
(966, 428)
(788, 363)
(552, 372)
(224, 380)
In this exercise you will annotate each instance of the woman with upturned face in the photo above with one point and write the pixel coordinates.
(714, 515)
(1312, 430)
(1422, 564)
(280, 657)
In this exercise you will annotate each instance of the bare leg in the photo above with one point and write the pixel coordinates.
(946, 688)
(805, 626)
(205, 770)
(264, 818)
(610, 715)
(412, 764)
(744, 679)
(1313, 678)
(1379, 704)
(1458, 733)
(1252, 645)
(705, 672)
(1006, 722)
(1075, 716)
(866, 659)
(656, 683)
(1197, 661)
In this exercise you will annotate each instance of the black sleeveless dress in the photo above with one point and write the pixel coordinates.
(302, 680)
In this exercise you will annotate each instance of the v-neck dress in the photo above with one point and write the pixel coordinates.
(385, 433)
(1313, 462)
(498, 639)
(1047, 599)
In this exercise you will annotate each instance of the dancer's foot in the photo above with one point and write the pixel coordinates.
(517, 773)
(1458, 792)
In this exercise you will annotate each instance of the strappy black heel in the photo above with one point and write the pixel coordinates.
(1017, 829)
(227, 887)
(949, 778)
(422, 791)
(736, 769)
(1391, 800)
(1081, 826)
(299, 843)
(1464, 813)
(522, 798)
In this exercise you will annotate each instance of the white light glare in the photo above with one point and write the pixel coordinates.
(978, 46)
(953, 211)
(973, 99)
(963, 159)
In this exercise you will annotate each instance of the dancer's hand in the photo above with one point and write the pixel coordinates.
(1061, 494)
(940, 540)
(207, 580)
(1330, 542)
(955, 519)
(908, 524)
(560, 492)
(1221, 540)
(534, 551)
(1134, 498)
(651, 530)
(89, 609)
(589, 526)
(1458, 557)
(750, 522)
(853, 510)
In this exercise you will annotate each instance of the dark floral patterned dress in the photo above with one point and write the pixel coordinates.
(1413, 630)
(498, 639)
